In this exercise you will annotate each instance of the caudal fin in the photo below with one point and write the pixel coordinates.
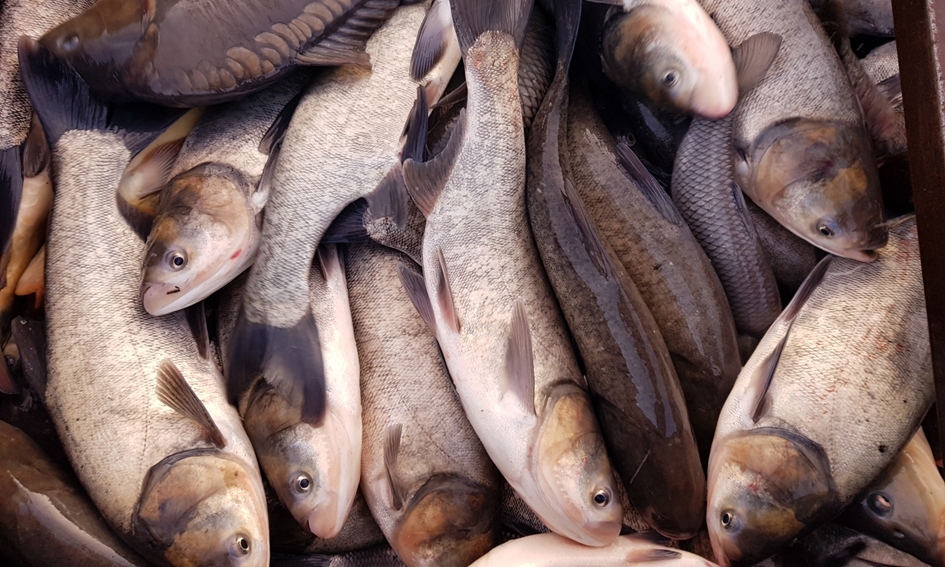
(472, 18)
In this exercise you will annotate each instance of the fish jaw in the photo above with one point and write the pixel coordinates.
(204, 507)
(819, 180)
(766, 487)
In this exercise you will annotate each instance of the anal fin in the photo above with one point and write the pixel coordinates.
(174, 391)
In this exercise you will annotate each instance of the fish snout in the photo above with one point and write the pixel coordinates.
(715, 97)
(602, 532)
(324, 521)
(157, 300)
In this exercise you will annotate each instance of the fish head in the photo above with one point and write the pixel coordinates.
(819, 180)
(101, 40)
(203, 236)
(687, 68)
(302, 465)
(574, 471)
(449, 521)
(204, 507)
(766, 487)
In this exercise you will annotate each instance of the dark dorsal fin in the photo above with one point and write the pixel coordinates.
(648, 184)
(592, 243)
(196, 316)
(418, 124)
(174, 391)
(416, 289)
(276, 131)
(433, 39)
(391, 452)
(345, 44)
(567, 16)
(390, 199)
(425, 181)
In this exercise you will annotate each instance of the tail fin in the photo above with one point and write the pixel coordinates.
(472, 18)
(567, 21)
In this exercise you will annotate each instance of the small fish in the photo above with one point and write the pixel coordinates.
(201, 53)
(802, 151)
(425, 475)
(206, 228)
(671, 52)
(484, 294)
(706, 195)
(143, 417)
(905, 506)
(780, 466)
(45, 514)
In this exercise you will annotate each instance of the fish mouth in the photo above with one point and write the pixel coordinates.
(324, 523)
(161, 299)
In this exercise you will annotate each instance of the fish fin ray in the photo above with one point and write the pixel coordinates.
(472, 18)
(264, 186)
(392, 435)
(418, 124)
(35, 150)
(433, 39)
(416, 289)
(806, 290)
(425, 181)
(753, 57)
(11, 190)
(335, 54)
(592, 242)
(455, 96)
(174, 391)
(650, 555)
(444, 293)
(139, 218)
(741, 208)
(151, 174)
(648, 184)
(760, 380)
(348, 226)
(329, 261)
(390, 198)
(196, 316)
(567, 15)
(519, 359)
(892, 89)
(276, 131)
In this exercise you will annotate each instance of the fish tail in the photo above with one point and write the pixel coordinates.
(567, 21)
(472, 18)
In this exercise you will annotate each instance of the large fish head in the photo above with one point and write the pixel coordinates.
(679, 62)
(574, 472)
(766, 487)
(101, 40)
(450, 521)
(203, 237)
(819, 180)
(302, 464)
(204, 507)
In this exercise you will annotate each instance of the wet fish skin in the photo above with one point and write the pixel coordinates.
(186, 53)
(905, 506)
(790, 257)
(804, 154)
(882, 66)
(377, 556)
(671, 52)
(448, 486)
(779, 465)
(833, 544)
(150, 471)
(208, 220)
(360, 531)
(670, 270)
(47, 516)
(868, 17)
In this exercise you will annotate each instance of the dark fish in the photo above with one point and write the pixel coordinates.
(833, 545)
(198, 53)
(790, 257)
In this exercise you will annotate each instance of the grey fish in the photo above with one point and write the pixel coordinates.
(637, 218)
(208, 221)
(198, 53)
(905, 506)
(637, 394)
(426, 477)
(706, 195)
(360, 531)
(313, 469)
(342, 144)
(833, 545)
(780, 466)
(867, 17)
(804, 155)
(143, 418)
(46, 515)
(492, 311)
(790, 257)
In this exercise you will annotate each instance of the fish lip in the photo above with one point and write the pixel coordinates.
(149, 294)
(323, 524)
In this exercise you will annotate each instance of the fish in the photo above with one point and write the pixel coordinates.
(832, 545)
(18, 18)
(905, 506)
(378, 556)
(46, 515)
(706, 195)
(636, 217)
(802, 151)
(867, 17)
(484, 295)
(632, 381)
(670, 52)
(142, 416)
(207, 225)
(425, 475)
(313, 469)
(547, 550)
(791, 258)
(190, 54)
(779, 465)
(341, 144)
(882, 66)
(33, 280)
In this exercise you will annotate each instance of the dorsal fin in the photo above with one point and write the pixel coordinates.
(444, 293)
(592, 243)
(519, 359)
(276, 131)
(391, 451)
(425, 181)
(416, 289)
(648, 184)
(753, 57)
(174, 391)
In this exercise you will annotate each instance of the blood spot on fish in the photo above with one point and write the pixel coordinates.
(882, 448)
(236, 254)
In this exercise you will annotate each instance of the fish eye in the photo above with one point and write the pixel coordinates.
(302, 483)
(728, 520)
(879, 504)
(240, 546)
(176, 259)
(670, 78)
(827, 228)
(602, 497)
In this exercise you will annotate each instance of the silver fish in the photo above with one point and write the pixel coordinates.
(143, 417)
(492, 310)
(360, 531)
(780, 465)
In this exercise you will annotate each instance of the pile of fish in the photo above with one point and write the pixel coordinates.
(459, 282)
